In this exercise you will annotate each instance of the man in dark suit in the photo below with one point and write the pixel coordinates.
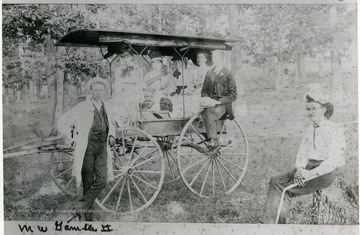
(220, 86)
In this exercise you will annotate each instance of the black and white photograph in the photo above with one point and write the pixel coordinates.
(183, 114)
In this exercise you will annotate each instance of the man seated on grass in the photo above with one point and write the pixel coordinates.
(321, 152)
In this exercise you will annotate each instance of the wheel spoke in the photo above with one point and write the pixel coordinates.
(63, 161)
(117, 175)
(167, 157)
(138, 189)
(149, 172)
(207, 173)
(229, 173)
(67, 185)
(120, 194)
(191, 155)
(232, 163)
(222, 179)
(190, 159)
(139, 155)
(145, 182)
(197, 175)
(142, 151)
(191, 143)
(129, 192)
(117, 155)
(118, 166)
(111, 190)
(64, 172)
(233, 153)
(222, 129)
(147, 160)
(198, 134)
(123, 142)
(187, 168)
(171, 156)
(133, 147)
(213, 178)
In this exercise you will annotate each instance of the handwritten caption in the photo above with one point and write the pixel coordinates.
(62, 226)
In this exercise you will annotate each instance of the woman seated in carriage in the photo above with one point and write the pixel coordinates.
(127, 92)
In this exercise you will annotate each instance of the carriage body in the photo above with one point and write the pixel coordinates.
(150, 151)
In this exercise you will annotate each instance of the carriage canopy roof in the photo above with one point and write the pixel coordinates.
(165, 43)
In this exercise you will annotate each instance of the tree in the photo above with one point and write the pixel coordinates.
(236, 58)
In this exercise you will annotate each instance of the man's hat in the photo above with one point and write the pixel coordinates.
(97, 80)
(156, 59)
(315, 94)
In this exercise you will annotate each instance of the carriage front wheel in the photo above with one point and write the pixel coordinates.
(139, 170)
(212, 171)
(61, 172)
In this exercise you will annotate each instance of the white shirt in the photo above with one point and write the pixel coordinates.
(329, 146)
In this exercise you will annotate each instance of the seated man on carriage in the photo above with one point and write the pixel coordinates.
(218, 93)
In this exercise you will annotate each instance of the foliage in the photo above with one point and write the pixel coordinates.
(267, 32)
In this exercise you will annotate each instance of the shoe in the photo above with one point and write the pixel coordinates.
(225, 143)
(213, 143)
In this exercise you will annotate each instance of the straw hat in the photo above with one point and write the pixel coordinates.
(156, 59)
(97, 80)
(315, 94)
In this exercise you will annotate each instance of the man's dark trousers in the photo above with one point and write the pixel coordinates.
(94, 175)
(279, 182)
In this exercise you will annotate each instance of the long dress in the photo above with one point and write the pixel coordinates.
(127, 95)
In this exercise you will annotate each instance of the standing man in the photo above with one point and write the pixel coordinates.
(321, 152)
(220, 87)
(89, 125)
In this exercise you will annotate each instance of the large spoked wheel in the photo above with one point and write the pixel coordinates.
(212, 171)
(139, 170)
(61, 172)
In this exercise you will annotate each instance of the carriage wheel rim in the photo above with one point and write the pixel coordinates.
(54, 176)
(211, 161)
(128, 179)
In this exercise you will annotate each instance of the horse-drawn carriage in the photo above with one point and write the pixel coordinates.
(150, 148)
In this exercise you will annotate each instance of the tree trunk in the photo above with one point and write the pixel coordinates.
(236, 64)
(57, 84)
(5, 96)
(25, 81)
(58, 106)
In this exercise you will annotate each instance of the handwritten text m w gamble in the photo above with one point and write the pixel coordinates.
(61, 226)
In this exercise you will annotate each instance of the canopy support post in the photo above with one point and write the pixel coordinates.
(182, 75)
(110, 63)
(141, 78)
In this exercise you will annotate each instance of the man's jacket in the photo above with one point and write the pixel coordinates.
(221, 87)
(80, 119)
